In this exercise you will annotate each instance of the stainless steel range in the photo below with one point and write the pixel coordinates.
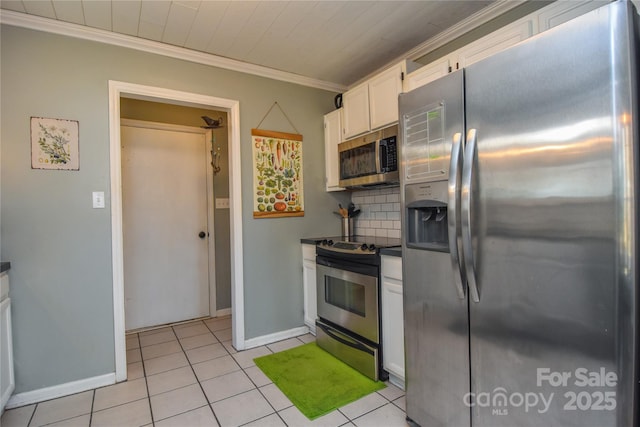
(348, 286)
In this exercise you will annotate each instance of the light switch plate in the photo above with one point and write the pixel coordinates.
(222, 203)
(98, 199)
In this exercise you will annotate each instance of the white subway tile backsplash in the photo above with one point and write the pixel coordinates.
(395, 216)
(393, 233)
(387, 207)
(379, 212)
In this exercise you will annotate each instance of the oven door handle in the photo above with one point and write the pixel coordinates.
(352, 344)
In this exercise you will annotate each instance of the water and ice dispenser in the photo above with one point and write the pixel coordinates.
(426, 216)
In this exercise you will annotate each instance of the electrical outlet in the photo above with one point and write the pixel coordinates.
(222, 203)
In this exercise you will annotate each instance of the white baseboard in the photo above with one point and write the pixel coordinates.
(48, 393)
(223, 312)
(277, 336)
(397, 381)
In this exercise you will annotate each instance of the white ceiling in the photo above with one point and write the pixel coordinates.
(332, 41)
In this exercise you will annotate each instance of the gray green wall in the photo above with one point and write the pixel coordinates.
(60, 248)
(186, 116)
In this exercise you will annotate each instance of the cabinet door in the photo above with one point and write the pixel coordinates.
(494, 42)
(332, 137)
(355, 114)
(383, 97)
(563, 11)
(7, 380)
(309, 286)
(392, 319)
(426, 74)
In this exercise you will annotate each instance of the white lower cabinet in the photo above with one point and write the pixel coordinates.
(7, 379)
(392, 319)
(309, 284)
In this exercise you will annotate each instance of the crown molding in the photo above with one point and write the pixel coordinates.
(474, 21)
(479, 18)
(17, 19)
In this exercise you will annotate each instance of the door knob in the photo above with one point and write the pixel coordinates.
(202, 234)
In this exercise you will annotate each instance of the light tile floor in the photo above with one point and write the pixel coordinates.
(189, 375)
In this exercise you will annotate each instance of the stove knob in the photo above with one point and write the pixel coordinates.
(364, 247)
(324, 242)
(330, 243)
(372, 247)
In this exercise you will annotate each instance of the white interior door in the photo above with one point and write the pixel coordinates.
(164, 194)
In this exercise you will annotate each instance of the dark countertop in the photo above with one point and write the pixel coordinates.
(316, 240)
(391, 252)
(4, 266)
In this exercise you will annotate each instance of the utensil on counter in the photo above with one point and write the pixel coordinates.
(350, 212)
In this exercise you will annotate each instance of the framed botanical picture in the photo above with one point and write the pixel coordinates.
(54, 144)
(277, 174)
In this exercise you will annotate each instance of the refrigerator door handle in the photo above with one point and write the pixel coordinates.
(467, 249)
(453, 206)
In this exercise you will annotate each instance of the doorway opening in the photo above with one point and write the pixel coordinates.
(117, 91)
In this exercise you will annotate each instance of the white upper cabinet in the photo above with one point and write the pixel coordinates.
(373, 104)
(427, 74)
(560, 12)
(383, 97)
(332, 137)
(507, 36)
(494, 43)
(355, 103)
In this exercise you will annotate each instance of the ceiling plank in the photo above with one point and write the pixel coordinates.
(179, 22)
(69, 11)
(97, 14)
(232, 27)
(153, 18)
(209, 16)
(125, 15)
(15, 5)
(40, 8)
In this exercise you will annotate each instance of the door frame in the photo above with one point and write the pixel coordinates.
(210, 196)
(117, 90)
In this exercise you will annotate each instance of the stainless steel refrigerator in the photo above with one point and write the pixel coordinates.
(519, 188)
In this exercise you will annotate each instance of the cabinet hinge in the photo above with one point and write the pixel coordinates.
(457, 65)
(449, 68)
(402, 75)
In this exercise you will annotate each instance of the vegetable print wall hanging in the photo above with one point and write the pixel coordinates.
(277, 174)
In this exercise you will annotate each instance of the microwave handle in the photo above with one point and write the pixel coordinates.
(378, 165)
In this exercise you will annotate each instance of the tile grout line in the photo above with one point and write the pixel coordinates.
(146, 383)
(275, 411)
(32, 414)
(93, 401)
(196, 376)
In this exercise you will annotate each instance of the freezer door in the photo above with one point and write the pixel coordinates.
(436, 318)
(552, 195)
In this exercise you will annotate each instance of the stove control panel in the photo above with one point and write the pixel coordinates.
(351, 247)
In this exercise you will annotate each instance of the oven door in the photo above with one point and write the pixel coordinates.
(348, 296)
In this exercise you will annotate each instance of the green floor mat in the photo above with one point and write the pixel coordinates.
(314, 380)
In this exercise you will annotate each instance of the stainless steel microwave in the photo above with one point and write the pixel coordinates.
(366, 162)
